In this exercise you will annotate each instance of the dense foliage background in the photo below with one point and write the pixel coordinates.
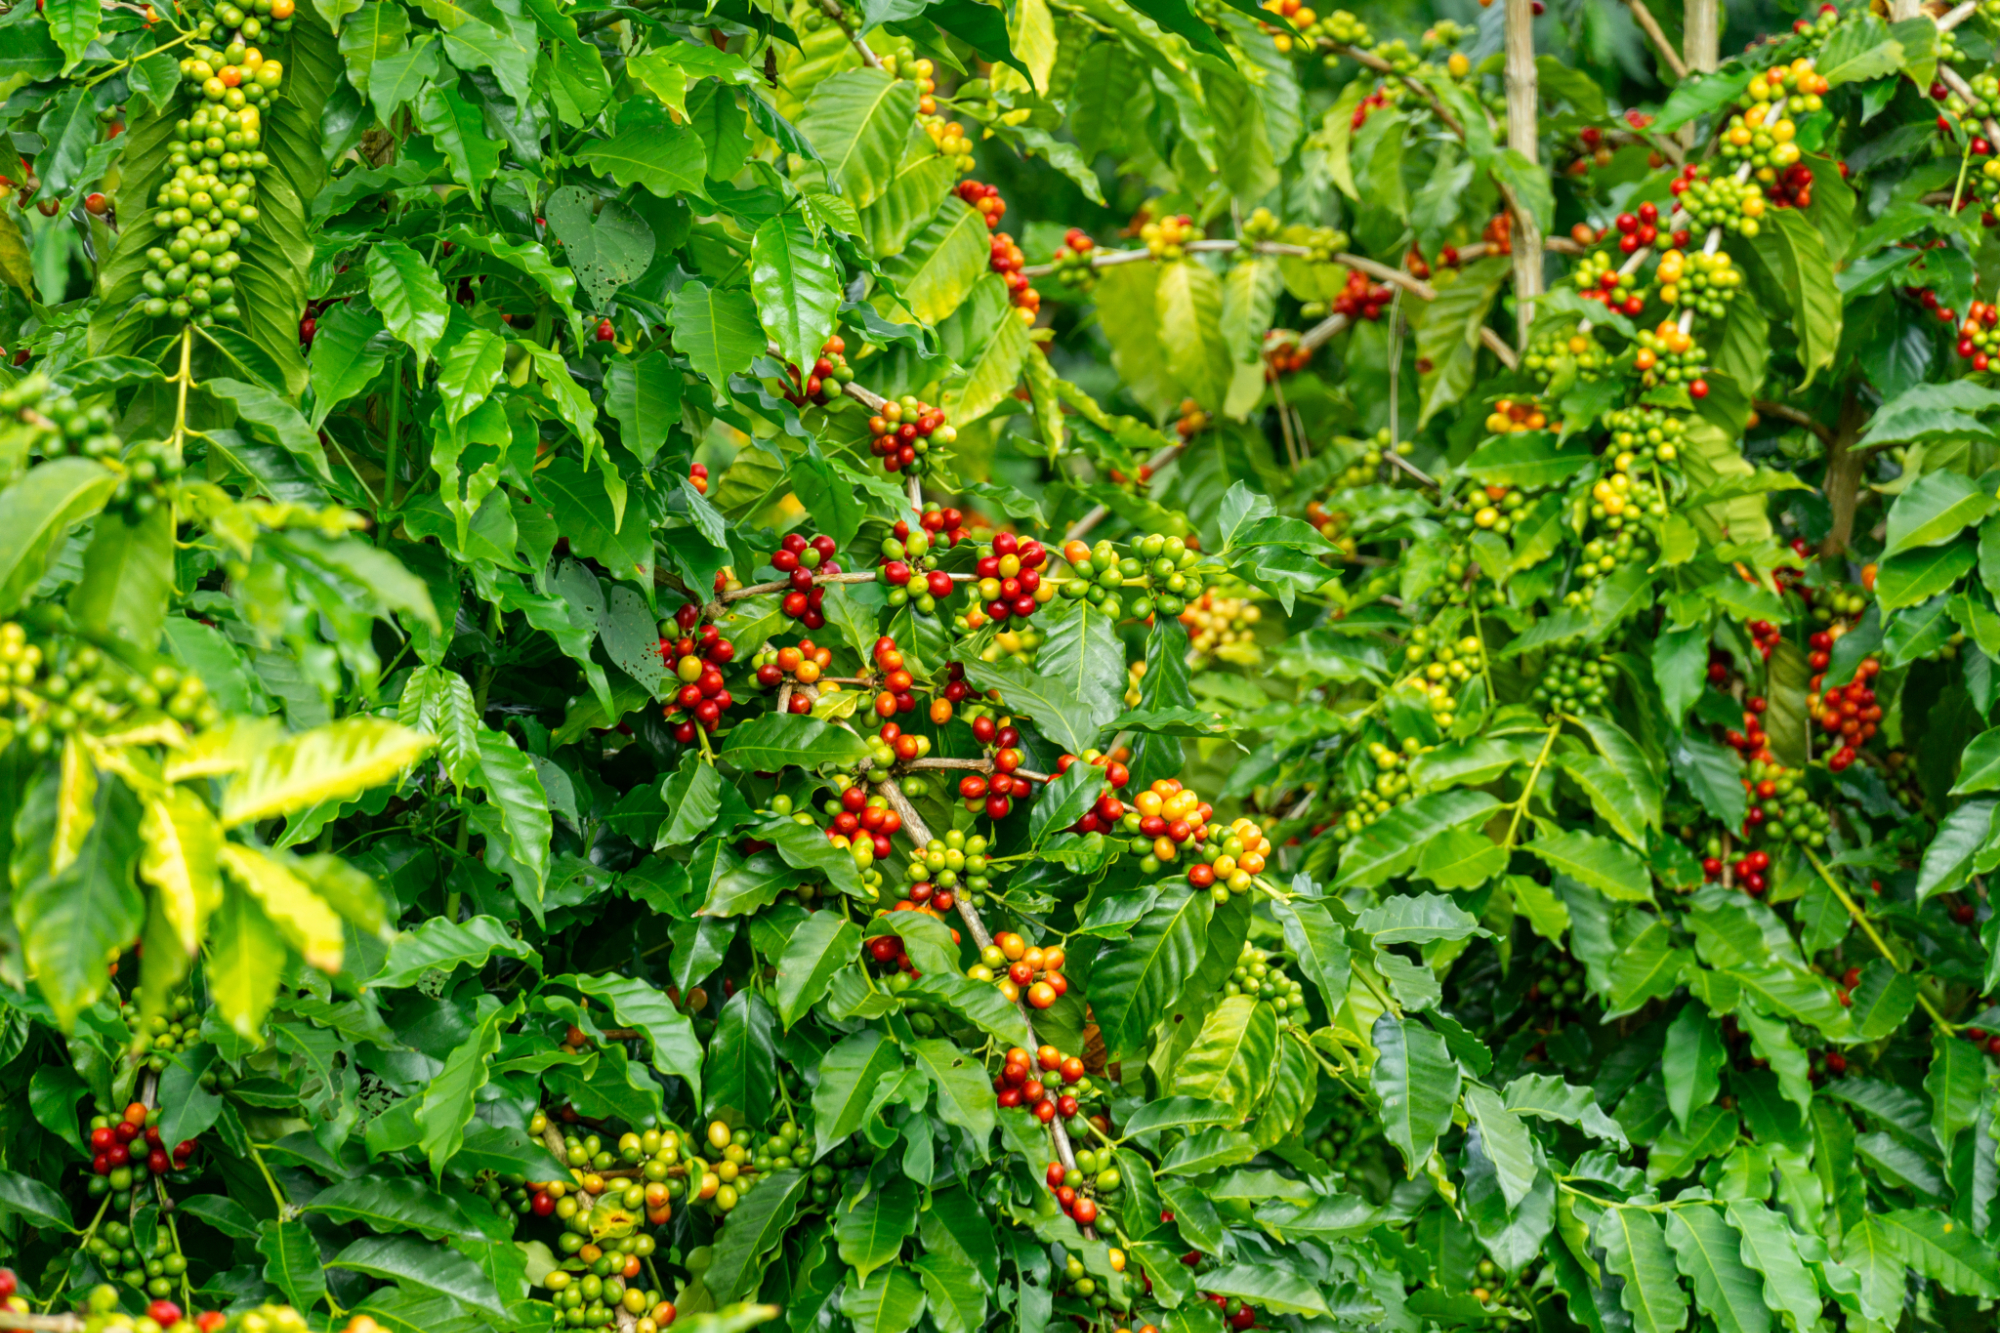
(1147, 664)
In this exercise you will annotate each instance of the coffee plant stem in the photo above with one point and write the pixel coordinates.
(1661, 46)
(1860, 918)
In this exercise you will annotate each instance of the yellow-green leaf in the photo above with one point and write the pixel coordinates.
(179, 858)
(327, 763)
(306, 922)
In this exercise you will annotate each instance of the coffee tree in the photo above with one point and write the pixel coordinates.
(1113, 662)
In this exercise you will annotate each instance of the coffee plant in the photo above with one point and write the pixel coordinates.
(1149, 665)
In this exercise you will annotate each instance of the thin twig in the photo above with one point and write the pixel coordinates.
(1651, 27)
(1796, 417)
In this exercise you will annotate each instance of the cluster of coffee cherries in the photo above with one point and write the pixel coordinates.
(947, 867)
(804, 561)
(947, 136)
(1558, 985)
(897, 686)
(1021, 1084)
(1514, 416)
(1166, 237)
(1368, 460)
(1190, 420)
(1009, 581)
(1073, 261)
(994, 796)
(698, 657)
(908, 559)
(588, 1300)
(1752, 743)
(1978, 337)
(1498, 234)
(902, 433)
(1162, 821)
(1005, 258)
(1332, 525)
(1751, 137)
(154, 1269)
(1361, 297)
(1598, 279)
(126, 1151)
(1283, 355)
(858, 815)
(984, 200)
(1389, 789)
(1500, 512)
(103, 1314)
(1701, 282)
(1257, 973)
(1719, 201)
(805, 664)
(1439, 663)
(1222, 628)
(1647, 434)
(162, 1036)
(1849, 711)
(1750, 871)
(1627, 493)
(57, 426)
(51, 689)
(1637, 230)
(1572, 354)
(1302, 18)
(1023, 971)
(1466, 580)
(211, 196)
(1159, 570)
(1780, 808)
(1109, 810)
(1347, 1137)
(1574, 681)
(821, 383)
(1666, 355)
(1835, 602)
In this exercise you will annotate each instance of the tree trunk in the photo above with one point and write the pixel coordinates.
(1521, 137)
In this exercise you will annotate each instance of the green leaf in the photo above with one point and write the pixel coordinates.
(847, 1082)
(776, 740)
(339, 760)
(1692, 1065)
(29, 1199)
(413, 1263)
(1391, 845)
(36, 514)
(244, 950)
(741, 1071)
(940, 266)
(1268, 1286)
(128, 577)
(1709, 1252)
(1792, 248)
(1979, 764)
(394, 1203)
(718, 330)
(1188, 314)
(74, 24)
(643, 394)
(1917, 576)
(1549, 1098)
(996, 372)
(1954, 1083)
(469, 370)
(1179, 18)
(964, 1093)
(1528, 458)
(1942, 1250)
(449, 1097)
(1058, 713)
(871, 1232)
(859, 121)
(76, 903)
(448, 945)
(797, 287)
(349, 348)
(291, 1262)
(515, 789)
(892, 1305)
(406, 289)
(1232, 1056)
(637, 1005)
(753, 1230)
(607, 243)
(1771, 1249)
(1416, 1083)
(1937, 507)
(1948, 858)
(1504, 1140)
(1134, 980)
(1613, 870)
(1448, 339)
(1636, 1251)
